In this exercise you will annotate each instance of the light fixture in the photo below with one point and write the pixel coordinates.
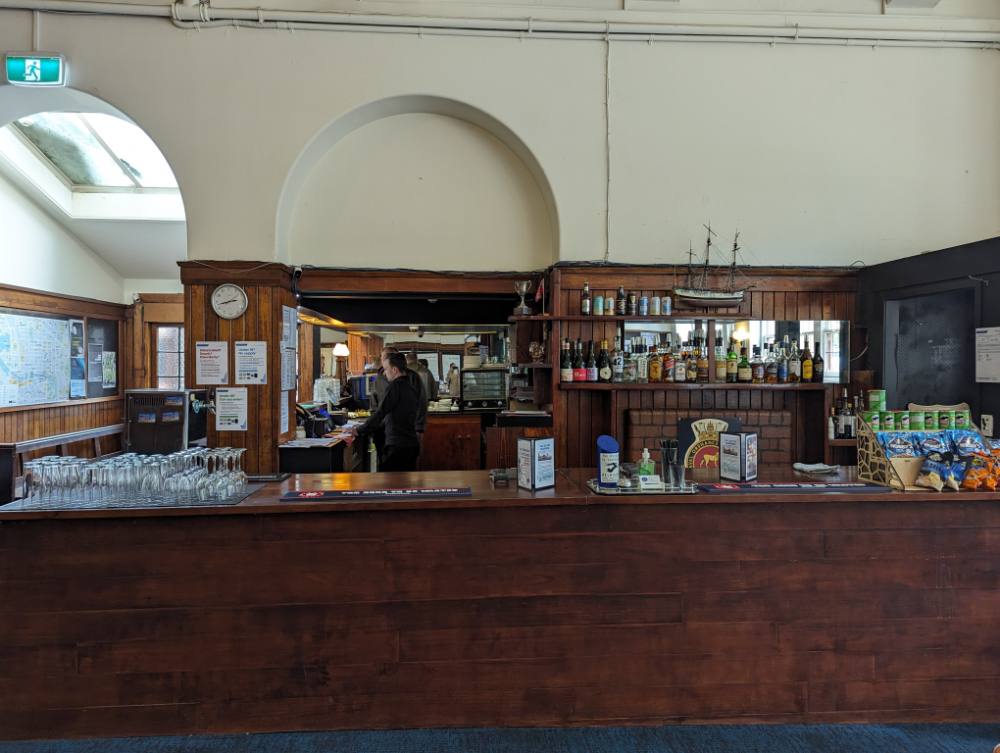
(340, 349)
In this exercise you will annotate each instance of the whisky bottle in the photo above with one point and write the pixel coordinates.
(641, 361)
(702, 363)
(617, 362)
(783, 377)
(669, 362)
(794, 364)
(757, 366)
(807, 363)
(692, 361)
(585, 300)
(655, 365)
(629, 364)
(720, 358)
(591, 363)
(680, 362)
(771, 366)
(604, 370)
(565, 363)
(732, 364)
(744, 374)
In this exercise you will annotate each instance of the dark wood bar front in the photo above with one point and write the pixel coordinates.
(505, 609)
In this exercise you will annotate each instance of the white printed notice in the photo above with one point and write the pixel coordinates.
(288, 369)
(231, 409)
(211, 362)
(285, 417)
(289, 327)
(988, 354)
(251, 362)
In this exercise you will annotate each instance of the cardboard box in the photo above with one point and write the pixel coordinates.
(738, 455)
(536, 462)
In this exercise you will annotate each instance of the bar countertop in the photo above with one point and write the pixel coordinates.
(570, 490)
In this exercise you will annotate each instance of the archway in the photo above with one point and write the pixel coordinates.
(407, 105)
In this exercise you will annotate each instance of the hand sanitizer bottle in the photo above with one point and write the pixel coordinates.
(646, 466)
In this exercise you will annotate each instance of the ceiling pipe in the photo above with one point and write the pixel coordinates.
(204, 16)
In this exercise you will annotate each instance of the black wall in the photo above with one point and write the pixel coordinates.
(925, 274)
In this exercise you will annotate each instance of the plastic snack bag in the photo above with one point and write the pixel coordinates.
(934, 472)
(968, 442)
(977, 474)
(900, 444)
(933, 442)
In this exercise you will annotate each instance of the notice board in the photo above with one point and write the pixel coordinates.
(103, 358)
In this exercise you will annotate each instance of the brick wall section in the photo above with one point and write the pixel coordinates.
(774, 431)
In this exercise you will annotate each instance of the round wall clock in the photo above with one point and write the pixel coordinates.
(230, 301)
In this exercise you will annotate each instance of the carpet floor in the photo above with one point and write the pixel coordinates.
(819, 738)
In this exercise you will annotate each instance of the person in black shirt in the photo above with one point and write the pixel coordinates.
(397, 410)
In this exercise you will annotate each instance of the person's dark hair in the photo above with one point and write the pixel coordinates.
(396, 360)
(424, 362)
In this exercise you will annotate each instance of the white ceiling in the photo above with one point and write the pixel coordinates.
(137, 249)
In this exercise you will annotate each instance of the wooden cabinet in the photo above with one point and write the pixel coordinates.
(453, 443)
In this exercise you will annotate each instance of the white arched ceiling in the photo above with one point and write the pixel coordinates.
(420, 182)
(133, 249)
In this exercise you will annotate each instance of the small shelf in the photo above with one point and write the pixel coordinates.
(842, 442)
(627, 318)
(534, 365)
(801, 387)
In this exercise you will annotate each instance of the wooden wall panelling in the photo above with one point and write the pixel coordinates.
(18, 424)
(268, 289)
(781, 294)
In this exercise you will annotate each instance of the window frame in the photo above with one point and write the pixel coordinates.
(154, 342)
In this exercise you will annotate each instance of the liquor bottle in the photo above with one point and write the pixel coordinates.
(807, 363)
(604, 370)
(629, 363)
(744, 374)
(621, 302)
(720, 358)
(641, 361)
(591, 362)
(617, 362)
(692, 361)
(702, 373)
(579, 365)
(831, 426)
(771, 366)
(732, 363)
(655, 365)
(794, 364)
(818, 365)
(680, 362)
(783, 375)
(852, 423)
(844, 416)
(565, 363)
(757, 366)
(585, 300)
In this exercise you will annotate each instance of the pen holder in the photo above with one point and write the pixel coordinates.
(673, 471)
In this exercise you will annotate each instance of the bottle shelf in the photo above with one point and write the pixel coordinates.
(842, 442)
(534, 365)
(801, 386)
(685, 317)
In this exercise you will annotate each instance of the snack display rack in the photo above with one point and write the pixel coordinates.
(876, 467)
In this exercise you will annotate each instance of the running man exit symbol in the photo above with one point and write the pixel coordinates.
(36, 69)
(32, 70)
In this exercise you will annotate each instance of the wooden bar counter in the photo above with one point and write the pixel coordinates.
(508, 608)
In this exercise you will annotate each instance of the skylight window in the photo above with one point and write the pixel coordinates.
(93, 150)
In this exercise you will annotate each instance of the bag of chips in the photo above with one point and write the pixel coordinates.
(935, 471)
(979, 470)
(956, 472)
(933, 442)
(968, 442)
(899, 444)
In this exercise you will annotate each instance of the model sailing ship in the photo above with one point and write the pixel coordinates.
(696, 292)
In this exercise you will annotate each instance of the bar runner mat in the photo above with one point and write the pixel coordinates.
(849, 487)
(436, 492)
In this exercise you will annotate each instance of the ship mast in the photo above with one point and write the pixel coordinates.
(708, 249)
(731, 285)
(690, 274)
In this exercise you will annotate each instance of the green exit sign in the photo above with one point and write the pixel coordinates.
(36, 69)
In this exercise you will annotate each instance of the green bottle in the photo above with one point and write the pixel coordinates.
(744, 372)
(732, 364)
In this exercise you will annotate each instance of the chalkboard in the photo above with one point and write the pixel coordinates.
(103, 358)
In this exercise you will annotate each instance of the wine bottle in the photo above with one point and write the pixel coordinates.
(604, 371)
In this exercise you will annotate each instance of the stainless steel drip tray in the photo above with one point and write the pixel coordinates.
(618, 491)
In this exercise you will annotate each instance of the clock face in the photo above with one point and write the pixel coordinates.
(229, 301)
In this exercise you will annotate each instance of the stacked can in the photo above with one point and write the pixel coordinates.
(876, 400)
(916, 420)
(931, 422)
(873, 419)
(946, 419)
